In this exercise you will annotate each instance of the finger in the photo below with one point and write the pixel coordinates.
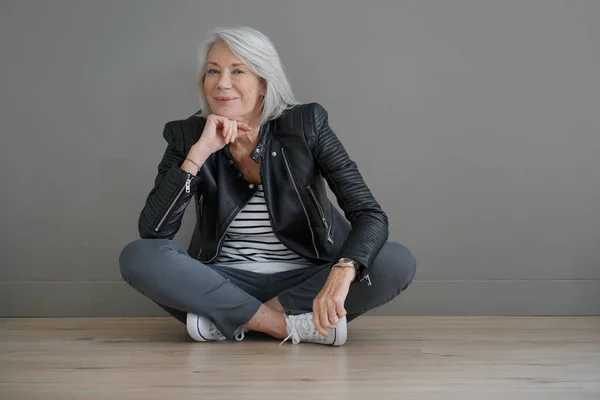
(228, 134)
(324, 320)
(245, 128)
(234, 129)
(341, 310)
(218, 123)
(229, 130)
(334, 319)
(225, 129)
(331, 321)
(317, 320)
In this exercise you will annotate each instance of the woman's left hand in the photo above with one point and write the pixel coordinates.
(329, 303)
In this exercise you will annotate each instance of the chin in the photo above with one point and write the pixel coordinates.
(229, 112)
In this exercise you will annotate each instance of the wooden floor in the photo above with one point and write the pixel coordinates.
(384, 358)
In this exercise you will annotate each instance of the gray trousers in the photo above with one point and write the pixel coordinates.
(163, 271)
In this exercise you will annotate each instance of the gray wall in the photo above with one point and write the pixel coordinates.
(475, 123)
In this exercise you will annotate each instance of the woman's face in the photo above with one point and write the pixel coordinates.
(231, 88)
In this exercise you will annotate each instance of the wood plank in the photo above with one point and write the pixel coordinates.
(385, 357)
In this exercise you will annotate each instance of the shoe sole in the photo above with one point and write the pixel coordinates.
(341, 333)
(192, 328)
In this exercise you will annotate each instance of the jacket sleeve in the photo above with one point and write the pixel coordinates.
(173, 189)
(369, 222)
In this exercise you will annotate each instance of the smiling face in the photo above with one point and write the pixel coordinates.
(231, 88)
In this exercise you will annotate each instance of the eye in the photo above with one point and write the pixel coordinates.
(212, 71)
(238, 72)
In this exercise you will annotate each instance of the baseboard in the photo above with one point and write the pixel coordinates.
(500, 297)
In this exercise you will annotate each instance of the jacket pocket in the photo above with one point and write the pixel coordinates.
(326, 224)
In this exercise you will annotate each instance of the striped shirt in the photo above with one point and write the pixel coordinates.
(251, 244)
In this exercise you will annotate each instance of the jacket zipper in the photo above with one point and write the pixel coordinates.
(186, 187)
(322, 213)
(269, 210)
(201, 205)
(366, 276)
(301, 203)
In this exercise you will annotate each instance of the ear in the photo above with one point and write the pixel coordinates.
(263, 88)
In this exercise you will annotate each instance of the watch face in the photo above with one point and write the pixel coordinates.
(347, 261)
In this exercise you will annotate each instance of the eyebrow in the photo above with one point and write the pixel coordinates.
(234, 65)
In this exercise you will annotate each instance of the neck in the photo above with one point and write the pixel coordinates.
(246, 143)
(252, 120)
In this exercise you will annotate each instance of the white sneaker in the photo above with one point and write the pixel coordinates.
(203, 329)
(301, 328)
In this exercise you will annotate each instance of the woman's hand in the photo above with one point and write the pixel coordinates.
(220, 131)
(329, 303)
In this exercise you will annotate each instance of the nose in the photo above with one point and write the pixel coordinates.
(224, 81)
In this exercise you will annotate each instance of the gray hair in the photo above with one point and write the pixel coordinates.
(255, 50)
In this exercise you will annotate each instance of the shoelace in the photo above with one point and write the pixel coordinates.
(301, 327)
(240, 333)
(214, 332)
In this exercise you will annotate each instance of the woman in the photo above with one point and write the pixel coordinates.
(269, 251)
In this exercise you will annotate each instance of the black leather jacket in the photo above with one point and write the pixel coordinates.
(298, 149)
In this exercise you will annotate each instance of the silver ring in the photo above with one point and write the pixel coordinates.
(336, 318)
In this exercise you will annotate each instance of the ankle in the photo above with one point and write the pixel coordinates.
(268, 321)
(278, 330)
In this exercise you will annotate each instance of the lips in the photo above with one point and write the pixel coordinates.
(225, 99)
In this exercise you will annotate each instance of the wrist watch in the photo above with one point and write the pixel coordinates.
(360, 274)
(347, 263)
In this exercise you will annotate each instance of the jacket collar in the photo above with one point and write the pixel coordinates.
(263, 136)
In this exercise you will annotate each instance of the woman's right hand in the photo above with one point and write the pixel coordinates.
(219, 131)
